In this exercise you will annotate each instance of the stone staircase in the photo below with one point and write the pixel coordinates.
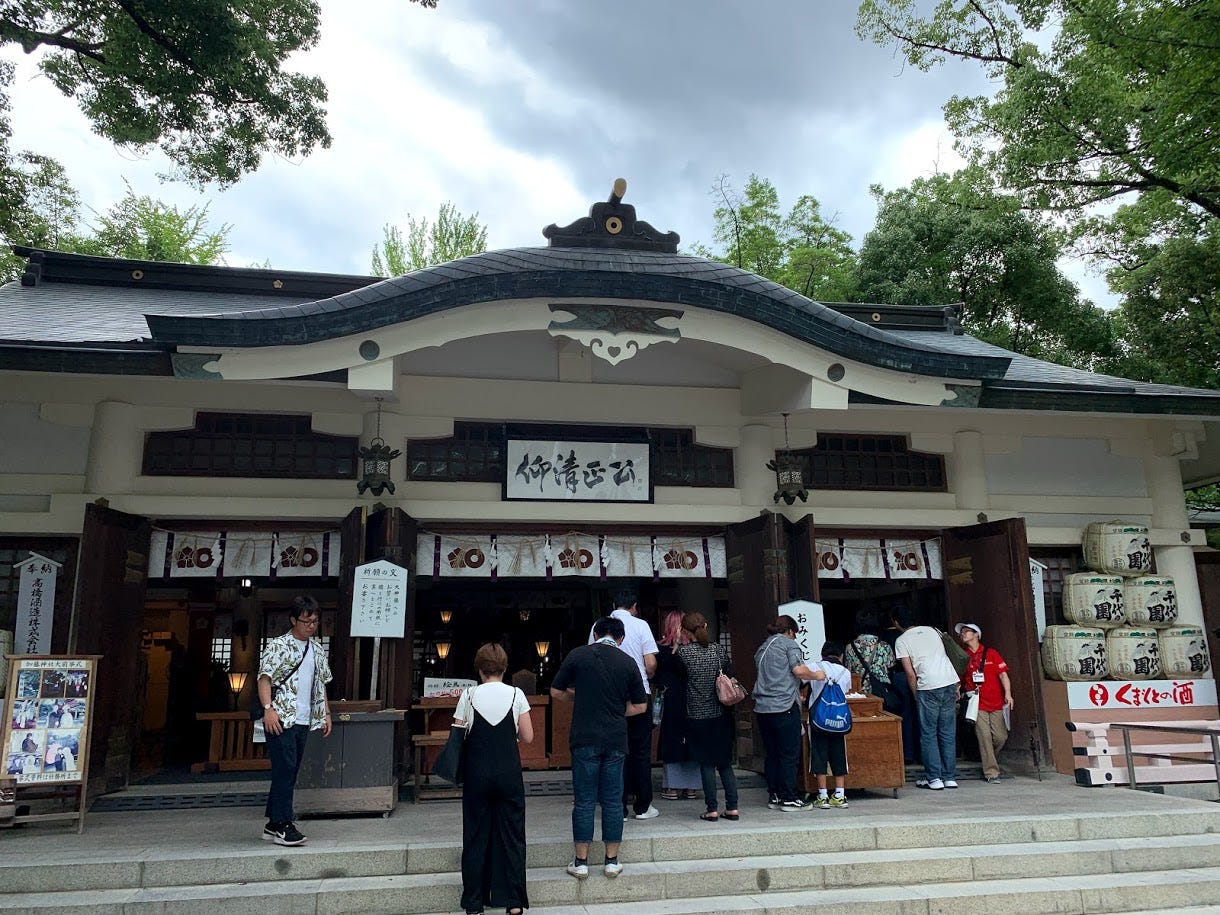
(1081, 862)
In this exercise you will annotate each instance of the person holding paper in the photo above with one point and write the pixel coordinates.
(987, 673)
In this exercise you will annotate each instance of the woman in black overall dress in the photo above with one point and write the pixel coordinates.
(493, 792)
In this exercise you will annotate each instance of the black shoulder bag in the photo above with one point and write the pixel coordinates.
(450, 763)
(256, 704)
(890, 700)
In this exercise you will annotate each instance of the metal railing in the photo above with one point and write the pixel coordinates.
(1210, 730)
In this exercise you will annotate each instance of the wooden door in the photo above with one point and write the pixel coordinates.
(757, 558)
(802, 560)
(987, 581)
(107, 619)
(344, 663)
(1208, 567)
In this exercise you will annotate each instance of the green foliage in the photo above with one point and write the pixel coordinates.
(202, 79)
(141, 227)
(1121, 101)
(1204, 498)
(956, 240)
(801, 250)
(453, 235)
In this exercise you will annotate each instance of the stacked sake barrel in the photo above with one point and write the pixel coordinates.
(1117, 609)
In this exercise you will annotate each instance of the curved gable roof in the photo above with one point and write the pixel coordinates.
(574, 273)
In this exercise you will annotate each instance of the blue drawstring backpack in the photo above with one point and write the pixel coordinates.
(830, 711)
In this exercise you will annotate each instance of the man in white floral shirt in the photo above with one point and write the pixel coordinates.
(292, 677)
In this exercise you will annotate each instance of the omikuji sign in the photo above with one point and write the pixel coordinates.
(379, 600)
(577, 471)
(35, 605)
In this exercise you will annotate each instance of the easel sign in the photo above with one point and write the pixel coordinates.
(48, 714)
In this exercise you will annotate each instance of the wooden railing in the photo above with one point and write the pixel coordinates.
(232, 747)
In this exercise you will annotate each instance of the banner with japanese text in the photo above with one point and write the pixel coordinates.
(35, 604)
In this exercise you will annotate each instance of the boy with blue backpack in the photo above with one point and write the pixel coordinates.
(829, 722)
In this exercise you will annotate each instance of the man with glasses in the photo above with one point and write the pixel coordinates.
(292, 677)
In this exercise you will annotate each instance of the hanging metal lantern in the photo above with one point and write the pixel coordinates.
(789, 475)
(375, 463)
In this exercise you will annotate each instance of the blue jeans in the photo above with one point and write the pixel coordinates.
(285, 751)
(597, 776)
(938, 731)
(781, 738)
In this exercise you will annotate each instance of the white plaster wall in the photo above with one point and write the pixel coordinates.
(1063, 466)
(28, 443)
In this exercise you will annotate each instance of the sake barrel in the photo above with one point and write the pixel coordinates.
(1184, 652)
(1117, 548)
(1074, 653)
(6, 647)
(1150, 601)
(1091, 599)
(1133, 654)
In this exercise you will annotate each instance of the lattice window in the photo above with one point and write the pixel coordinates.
(678, 461)
(474, 454)
(870, 462)
(251, 445)
(1059, 565)
(222, 651)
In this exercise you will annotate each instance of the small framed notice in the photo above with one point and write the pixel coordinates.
(379, 600)
(48, 716)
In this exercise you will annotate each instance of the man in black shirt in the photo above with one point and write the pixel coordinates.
(606, 687)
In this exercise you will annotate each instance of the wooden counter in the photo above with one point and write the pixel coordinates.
(874, 749)
(437, 716)
(352, 770)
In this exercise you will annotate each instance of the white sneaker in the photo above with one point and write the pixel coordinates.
(648, 814)
(934, 784)
(579, 871)
(612, 869)
(950, 783)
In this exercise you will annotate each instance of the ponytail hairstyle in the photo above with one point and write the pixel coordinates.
(782, 624)
(696, 625)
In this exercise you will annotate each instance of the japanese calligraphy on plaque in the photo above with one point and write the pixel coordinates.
(379, 600)
(577, 471)
(35, 605)
(47, 719)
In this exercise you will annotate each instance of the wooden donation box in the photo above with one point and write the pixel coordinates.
(874, 748)
(352, 770)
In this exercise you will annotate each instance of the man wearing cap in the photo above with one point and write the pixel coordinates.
(987, 673)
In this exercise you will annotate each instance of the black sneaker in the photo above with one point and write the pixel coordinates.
(290, 836)
(773, 802)
(270, 831)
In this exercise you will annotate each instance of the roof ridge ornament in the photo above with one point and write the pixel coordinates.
(612, 225)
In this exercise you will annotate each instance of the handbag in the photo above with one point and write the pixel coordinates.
(882, 689)
(972, 706)
(450, 763)
(256, 704)
(728, 690)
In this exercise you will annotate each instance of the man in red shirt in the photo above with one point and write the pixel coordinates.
(987, 673)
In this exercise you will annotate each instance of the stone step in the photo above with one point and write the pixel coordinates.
(786, 834)
(1151, 891)
(666, 882)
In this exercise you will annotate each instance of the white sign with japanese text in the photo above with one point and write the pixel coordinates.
(577, 471)
(35, 605)
(445, 687)
(379, 600)
(810, 626)
(1131, 694)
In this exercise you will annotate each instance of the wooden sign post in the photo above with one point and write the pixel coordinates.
(48, 716)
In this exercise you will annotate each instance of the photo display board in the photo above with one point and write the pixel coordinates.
(48, 713)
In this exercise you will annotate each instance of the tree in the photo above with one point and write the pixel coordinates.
(801, 250)
(453, 235)
(144, 228)
(38, 205)
(1120, 102)
(202, 79)
(955, 240)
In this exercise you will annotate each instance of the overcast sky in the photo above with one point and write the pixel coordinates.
(526, 112)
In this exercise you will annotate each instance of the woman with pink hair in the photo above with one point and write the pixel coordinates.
(681, 778)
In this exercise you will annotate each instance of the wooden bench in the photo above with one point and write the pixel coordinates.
(1108, 754)
(422, 784)
(232, 747)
